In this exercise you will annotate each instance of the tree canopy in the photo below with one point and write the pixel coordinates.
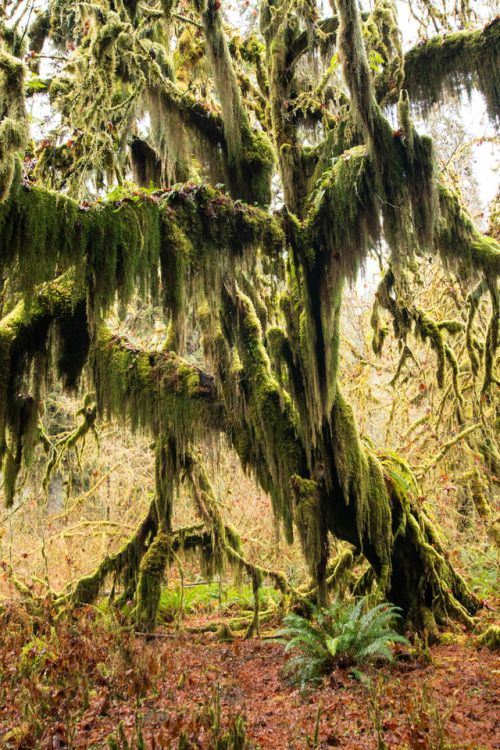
(241, 177)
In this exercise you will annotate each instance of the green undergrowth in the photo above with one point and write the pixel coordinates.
(345, 635)
(207, 598)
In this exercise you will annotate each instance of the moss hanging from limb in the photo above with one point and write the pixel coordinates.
(357, 74)
(209, 511)
(158, 391)
(483, 507)
(224, 542)
(13, 118)
(121, 566)
(24, 355)
(455, 63)
(361, 482)
(313, 530)
(491, 341)
(473, 300)
(270, 447)
(88, 412)
(234, 116)
(458, 241)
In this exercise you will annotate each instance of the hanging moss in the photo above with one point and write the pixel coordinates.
(13, 118)
(88, 412)
(147, 168)
(310, 522)
(24, 357)
(39, 31)
(362, 484)
(455, 63)
(458, 241)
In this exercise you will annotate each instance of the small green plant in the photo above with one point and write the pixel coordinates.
(338, 636)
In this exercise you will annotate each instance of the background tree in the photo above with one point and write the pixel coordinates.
(306, 99)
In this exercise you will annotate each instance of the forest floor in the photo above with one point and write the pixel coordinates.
(67, 683)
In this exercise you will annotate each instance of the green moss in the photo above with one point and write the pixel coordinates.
(151, 573)
(310, 521)
(361, 481)
(24, 366)
(13, 123)
(455, 63)
(427, 329)
(224, 633)
(458, 241)
(491, 638)
(122, 566)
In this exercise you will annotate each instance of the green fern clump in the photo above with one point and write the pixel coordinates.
(338, 636)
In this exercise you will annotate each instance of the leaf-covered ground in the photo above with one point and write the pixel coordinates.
(67, 683)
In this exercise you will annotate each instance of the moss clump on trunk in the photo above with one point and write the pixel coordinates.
(151, 573)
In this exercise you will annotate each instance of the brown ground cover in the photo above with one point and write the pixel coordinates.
(68, 683)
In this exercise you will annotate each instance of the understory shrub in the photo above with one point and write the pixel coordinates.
(341, 635)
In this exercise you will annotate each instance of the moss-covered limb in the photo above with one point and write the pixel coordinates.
(455, 63)
(413, 426)
(262, 420)
(327, 249)
(235, 154)
(491, 637)
(13, 118)
(234, 623)
(446, 447)
(116, 246)
(88, 412)
(405, 355)
(427, 329)
(338, 574)
(491, 340)
(326, 35)
(25, 350)
(483, 507)
(473, 300)
(154, 390)
(459, 242)
(427, 582)
(122, 566)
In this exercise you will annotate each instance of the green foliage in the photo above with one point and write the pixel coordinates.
(338, 636)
